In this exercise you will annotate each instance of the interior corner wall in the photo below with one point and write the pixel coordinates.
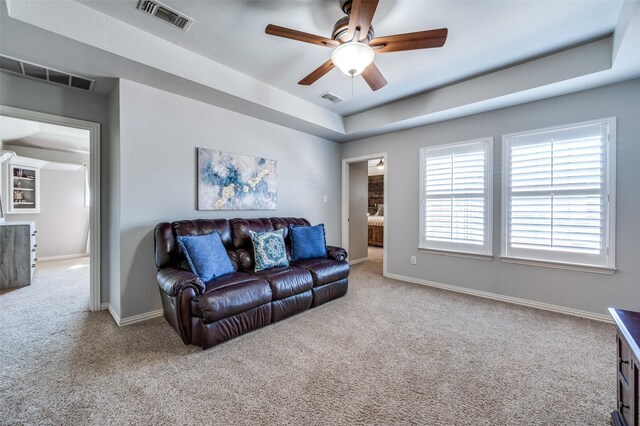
(159, 133)
(20, 92)
(577, 290)
(110, 207)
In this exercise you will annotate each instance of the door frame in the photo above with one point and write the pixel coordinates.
(94, 186)
(345, 203)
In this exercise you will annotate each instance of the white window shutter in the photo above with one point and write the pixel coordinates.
(556, 195)
(455, 192)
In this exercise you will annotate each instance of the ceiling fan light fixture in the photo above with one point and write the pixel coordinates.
(352, 58)
(380, 165)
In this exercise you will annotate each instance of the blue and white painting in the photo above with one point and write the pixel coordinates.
(228, 181)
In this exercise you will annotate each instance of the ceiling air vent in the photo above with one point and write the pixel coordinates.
(332, 97)
(39, 72)
(165, 13)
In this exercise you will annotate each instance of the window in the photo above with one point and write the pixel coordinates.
(558, 194)
(455, 207)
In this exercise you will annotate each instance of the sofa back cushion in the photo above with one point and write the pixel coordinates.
(284, 222)
(234, 234)
(166, 253)
(242, 239)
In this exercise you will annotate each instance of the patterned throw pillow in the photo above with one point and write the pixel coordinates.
(206, 255)
(268, 249)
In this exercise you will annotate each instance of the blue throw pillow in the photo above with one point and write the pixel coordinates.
(206, 255)
(307, 242)
(269, 249)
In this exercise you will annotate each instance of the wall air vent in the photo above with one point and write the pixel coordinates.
(39, 72)
(332, 97)
(165, 13)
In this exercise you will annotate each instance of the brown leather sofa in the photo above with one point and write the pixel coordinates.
(208, 313)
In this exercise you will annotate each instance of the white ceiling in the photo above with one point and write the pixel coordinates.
(498, 54)
(483, 36)
(31, 134)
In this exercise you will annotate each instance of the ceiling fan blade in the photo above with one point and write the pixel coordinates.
(300, 36)
(360, 17)
(410, 41)
(374, 77)
(317, 73)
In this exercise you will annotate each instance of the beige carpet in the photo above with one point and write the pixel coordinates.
(387, 353)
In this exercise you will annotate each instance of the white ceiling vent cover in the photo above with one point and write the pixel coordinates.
(50, 75)
(165, 13)
(332, 97)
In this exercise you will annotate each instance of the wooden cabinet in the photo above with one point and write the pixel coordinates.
(628, 367)
(17, 253)
(23, 185)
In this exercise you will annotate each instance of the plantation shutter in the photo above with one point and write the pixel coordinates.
(455, 204)
(557, 195)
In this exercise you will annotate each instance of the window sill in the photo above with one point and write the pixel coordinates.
(558, 265)
(454, 253)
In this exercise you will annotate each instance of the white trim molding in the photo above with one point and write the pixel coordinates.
(506, 299)
(345, 203)
(63, 257)
(356, 261)
(456, 253)
(122, 322)
(560, 265)
(94, 184)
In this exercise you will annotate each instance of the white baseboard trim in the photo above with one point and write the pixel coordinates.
(507, 299)
(141, 317)
(104, 306)
(132, 319)
(356, 261)
(63, 257)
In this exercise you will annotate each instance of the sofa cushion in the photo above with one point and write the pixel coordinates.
(206, 255)
(285, 222)
(324, 271)
(229, 300)
(307, 242)
(228, 279)
(240, 231)
(269, 250)
(287, 281)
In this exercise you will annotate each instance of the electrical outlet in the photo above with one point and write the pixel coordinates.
(326, 199)
(413, 260)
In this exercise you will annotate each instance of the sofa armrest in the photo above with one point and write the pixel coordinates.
(172, 280)
(336, 253)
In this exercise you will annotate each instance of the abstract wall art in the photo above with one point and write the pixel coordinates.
(228, 181)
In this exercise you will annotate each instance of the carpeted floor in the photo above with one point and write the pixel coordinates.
(387, 353)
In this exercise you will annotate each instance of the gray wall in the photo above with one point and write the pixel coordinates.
(111, 200)
(578, 290)
(358, 204)
(33, 95)
(159, 133)
(63, 221)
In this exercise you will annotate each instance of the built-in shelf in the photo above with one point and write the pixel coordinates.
(23, 185)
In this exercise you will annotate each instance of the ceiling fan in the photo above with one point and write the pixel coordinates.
(355, 44)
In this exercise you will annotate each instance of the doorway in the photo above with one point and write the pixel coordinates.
(364, 217)
(60, 143)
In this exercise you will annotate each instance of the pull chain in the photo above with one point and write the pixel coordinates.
(352, 85)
